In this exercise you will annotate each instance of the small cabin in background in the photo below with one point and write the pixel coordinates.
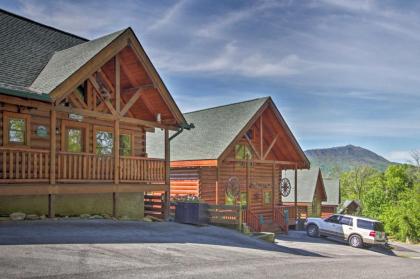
(74, 115)
(311, 192)
(236, 152)
(330, 206)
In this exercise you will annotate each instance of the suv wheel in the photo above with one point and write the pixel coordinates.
(356, 241)
(312, 230)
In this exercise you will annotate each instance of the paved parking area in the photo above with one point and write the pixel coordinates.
(124, 249)
(328, 247)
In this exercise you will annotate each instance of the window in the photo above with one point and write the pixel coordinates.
(242, 152)
(74, 136)
(126, 145)
(104, 142)
(250, 134)
(16, 128)
(229, 200)
(244, 198)
(81, 91)
(369, 225)
(333, 219)
(346, 221)
(74, 140)
(267, 197)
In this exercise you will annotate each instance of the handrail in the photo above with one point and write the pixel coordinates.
(251, 220)
(23, 164)
(280, 219)
(141, 158)
(24, 149)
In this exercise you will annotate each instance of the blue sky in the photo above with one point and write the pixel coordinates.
(341, 72)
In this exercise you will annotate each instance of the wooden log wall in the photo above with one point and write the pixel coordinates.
(42, 118)
(185, 182)
(259, 179)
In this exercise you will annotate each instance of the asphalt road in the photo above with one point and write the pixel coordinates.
(116, 249)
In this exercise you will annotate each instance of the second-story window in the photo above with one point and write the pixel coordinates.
(126, 145)
(74, 140)
(104, 142)
(16, 128)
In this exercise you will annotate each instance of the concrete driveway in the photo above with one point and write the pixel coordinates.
(327, 247)
(124, 249)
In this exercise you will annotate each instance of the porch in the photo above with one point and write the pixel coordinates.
(24, 165)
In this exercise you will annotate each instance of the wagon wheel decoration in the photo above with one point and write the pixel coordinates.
(285, 187)
(233, 188)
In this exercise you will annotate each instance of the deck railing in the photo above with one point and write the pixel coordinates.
(251, 220)
(84, 167)
(279, 217)
(302, 212)
(142, 169)
(25, 165)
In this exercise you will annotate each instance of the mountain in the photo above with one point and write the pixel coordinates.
(345, 157)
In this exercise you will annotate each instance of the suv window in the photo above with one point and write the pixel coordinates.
(333, 219)
(346, 221)
(364, 224)
(379, 227)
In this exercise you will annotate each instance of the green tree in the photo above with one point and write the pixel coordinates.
(402, 219)
(354, 183)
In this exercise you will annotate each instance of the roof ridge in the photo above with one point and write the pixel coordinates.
(226, 105)
(93, 40)
(42, 24)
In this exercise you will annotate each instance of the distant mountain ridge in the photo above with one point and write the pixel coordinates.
(345, 158)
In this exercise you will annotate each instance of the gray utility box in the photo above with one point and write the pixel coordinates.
(191, 213)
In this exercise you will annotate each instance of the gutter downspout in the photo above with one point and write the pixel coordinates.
(186, 127)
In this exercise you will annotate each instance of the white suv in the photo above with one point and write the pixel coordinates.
(358, 231)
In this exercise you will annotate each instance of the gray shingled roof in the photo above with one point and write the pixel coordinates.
(27, 46)
(36, 58)
(306, 181)
(332, 188)
(66, 62)
(215, 128)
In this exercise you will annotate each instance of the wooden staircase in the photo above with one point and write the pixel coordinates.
(276, 225)
(271, 227)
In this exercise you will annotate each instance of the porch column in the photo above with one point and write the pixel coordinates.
(296, 189)
(116, 136)
(273, 181)
(53, 154)
(116, 166)
(167, 195)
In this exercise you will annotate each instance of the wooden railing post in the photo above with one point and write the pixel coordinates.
(167, 175)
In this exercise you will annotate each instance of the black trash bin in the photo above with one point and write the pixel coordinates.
(300, 224)
(191, 213)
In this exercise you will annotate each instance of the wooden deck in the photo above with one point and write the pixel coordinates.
(23, 166)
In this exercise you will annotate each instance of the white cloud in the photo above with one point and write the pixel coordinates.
(400, 156)
(353, 5)
(169, 16)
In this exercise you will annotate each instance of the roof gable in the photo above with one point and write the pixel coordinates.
(332, 188)
(66, 62)
(307, 181)
(27, 46)
(215, 128)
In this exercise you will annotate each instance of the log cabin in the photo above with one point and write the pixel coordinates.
(247, 144)
(330, 206)
(311, 192)
(73, 120)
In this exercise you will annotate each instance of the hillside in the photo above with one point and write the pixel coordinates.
(345, 158)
